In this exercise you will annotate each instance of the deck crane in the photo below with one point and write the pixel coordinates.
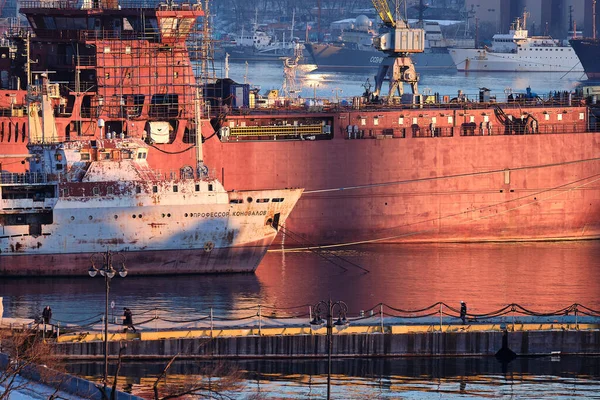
(397, 40)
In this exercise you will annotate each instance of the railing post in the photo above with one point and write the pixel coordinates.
(576, 324)
(211, 322)
(259, 320)
(441, 313)
(381, 315)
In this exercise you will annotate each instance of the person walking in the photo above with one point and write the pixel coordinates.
(128, 320)
(47, 315)
(463, 312)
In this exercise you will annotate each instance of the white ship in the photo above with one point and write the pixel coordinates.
(518, 52)
(81, 198)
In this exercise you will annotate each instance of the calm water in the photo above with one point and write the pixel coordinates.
(412, 378)
(346, 85)
(539, 276)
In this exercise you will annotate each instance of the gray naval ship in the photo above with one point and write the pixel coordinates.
(354, 50)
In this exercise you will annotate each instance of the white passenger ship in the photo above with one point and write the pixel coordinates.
(517, 52)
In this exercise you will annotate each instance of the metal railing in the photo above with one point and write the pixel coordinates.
(171, 5)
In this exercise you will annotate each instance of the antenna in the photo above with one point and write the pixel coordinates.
(594, 19)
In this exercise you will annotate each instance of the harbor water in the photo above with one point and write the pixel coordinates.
(539, 276)
(310, 82)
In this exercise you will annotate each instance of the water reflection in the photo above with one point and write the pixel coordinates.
(539, 276)
(544, 377)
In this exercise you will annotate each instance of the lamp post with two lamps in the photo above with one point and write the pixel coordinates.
(328, 309)
(314, 86)
(108, 272)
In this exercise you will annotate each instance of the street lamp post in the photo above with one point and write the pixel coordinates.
(315, 86)
(327, 309)
(108, 272)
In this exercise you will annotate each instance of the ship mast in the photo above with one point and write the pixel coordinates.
(594, 19)
(200, 167)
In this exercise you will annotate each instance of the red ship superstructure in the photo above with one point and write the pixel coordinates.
(122, 69)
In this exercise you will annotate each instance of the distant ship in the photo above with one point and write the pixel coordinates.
(518, 52)
(355, 51)
(259, 45)
(80, 198)
(588, 51)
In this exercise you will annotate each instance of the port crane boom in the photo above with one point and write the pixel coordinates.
(397, 40)
(384, 12)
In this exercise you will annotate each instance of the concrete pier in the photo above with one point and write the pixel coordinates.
(372, 337)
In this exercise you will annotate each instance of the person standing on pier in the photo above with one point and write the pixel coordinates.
(463, 312)
(47, 315)
(128, 320)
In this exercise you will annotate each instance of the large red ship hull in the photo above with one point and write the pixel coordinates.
(499, 187)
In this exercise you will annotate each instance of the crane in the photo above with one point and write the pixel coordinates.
(397, 40)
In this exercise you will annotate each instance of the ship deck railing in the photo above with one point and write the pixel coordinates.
(420, 131)
(109, 4)
(467, 103)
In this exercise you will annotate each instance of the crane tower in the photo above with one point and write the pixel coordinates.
(397, 40)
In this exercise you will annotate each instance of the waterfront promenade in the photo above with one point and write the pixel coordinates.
(436, 331)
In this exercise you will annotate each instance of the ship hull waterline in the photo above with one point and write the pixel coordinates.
(151, 262)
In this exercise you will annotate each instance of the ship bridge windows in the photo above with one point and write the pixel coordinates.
(70, 23)
(48, 23)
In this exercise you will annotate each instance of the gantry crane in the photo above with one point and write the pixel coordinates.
(397, 40)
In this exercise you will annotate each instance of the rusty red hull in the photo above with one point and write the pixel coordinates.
(498, 187)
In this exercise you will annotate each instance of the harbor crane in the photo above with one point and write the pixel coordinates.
(397, 40)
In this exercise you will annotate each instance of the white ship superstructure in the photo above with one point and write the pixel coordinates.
(518, 52)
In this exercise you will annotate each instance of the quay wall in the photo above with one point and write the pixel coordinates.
(435, 344)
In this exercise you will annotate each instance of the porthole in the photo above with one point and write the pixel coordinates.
(72, 218)
(133, 216)
(169, 215)
(209, 246)
(116, 217)
(90, 217)
(185, 215)
(249, 199)
(139, 215)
